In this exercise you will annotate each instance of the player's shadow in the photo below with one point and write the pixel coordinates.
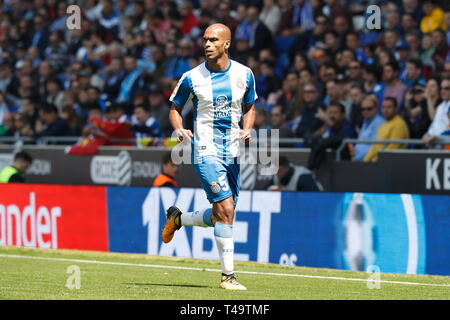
(167, 285)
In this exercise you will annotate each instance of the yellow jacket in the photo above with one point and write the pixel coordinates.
(434, 21)
(396, 128)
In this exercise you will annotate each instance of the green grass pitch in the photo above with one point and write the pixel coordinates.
(33, 274)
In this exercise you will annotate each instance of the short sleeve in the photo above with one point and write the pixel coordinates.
(182, 92)
(250, 94)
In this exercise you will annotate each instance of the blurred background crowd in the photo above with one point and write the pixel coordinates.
(321, 73)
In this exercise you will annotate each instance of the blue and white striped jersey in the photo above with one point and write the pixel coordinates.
(217, 97)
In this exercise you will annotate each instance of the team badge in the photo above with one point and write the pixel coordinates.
(221, 101)
(215, 188)
(240, 83)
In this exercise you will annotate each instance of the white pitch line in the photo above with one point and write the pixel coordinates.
(218, 270)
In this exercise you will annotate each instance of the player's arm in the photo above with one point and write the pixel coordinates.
(248, 121)
(248, 108)
(176, 120)
(179, 97)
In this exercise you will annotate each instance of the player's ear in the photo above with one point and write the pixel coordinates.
(227, 44)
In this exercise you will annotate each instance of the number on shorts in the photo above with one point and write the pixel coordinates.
(223, 183)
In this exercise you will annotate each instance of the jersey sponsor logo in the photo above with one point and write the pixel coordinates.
(222, 108)
(215, 188)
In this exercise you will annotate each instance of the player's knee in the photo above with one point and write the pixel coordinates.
(225, 211)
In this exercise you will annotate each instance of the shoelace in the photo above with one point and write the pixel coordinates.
(233, 280)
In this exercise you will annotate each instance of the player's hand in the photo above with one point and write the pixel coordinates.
(184, 134)
(245, 135)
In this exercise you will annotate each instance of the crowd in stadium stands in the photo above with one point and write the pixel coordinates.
(321, 73)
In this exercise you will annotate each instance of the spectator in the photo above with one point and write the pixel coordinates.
(332, 43)
(309, 123)
(114, 75)
(288, 96)
(371, 83)
(56, 52)
(14, 172)
(310, 38)
(393, 87)
(394, 128)
(223, 15)
(440, 121)
(391, 40)
(54, 95)
(327, 44)
(278, 121)
(287, 11)
(353, 43)
(39, 36)
(160, 110)
(442, 48)
(69, 114)
(169, 173)
(22, 127)
(267, 81)
(356, 95)
(159, 25)
(241, 50)
(45, 73)
(293, 178)
(334, 8)
(30, 110)
(393, 21)
(428, 50)
(132, 83)
(334, 95)
(50, 124)
(408, 23)
(413, 74)
(261, 119)
(143, 124)
(342, 26)
(109, 20)
(335, 122)
(434, 17)
(416, 112)
(271, 15)
(412, 7)
(302, 19)
(432, 96)
(371, 122)
(189, 21)
(255, 32)
(413, 43)
(178, 62)
(94, 97)
(355, 72)
(9, 83)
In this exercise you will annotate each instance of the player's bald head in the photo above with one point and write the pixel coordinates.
(220, 30)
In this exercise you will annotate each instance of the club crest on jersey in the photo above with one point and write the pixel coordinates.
(222, 108)
(221, 101)
(240, 83)
(215, 188)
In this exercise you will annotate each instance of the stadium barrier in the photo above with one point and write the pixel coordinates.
(400, 233)
(396, 171)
